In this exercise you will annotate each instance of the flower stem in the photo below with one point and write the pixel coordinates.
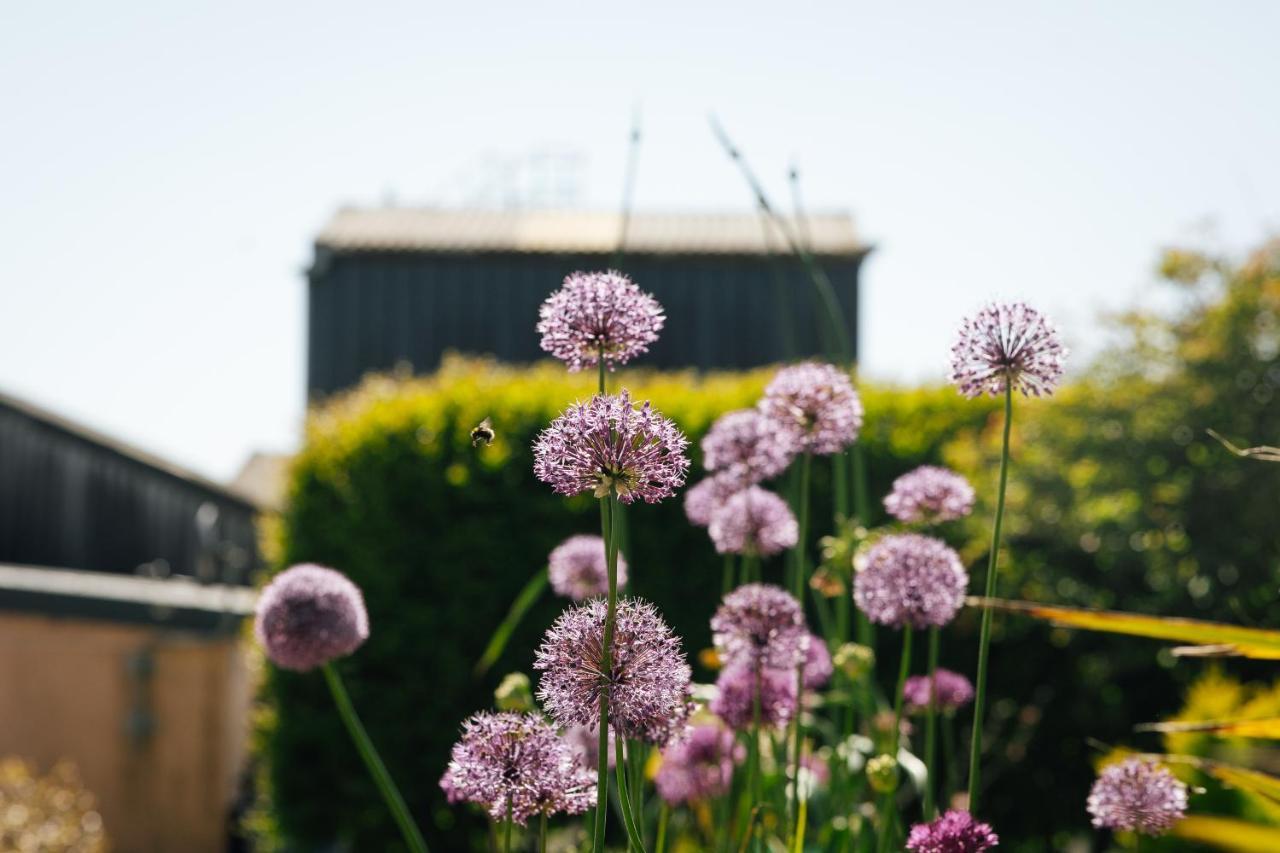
(600, 361)
(931, 726)
(886, 826)
(806, 469)
(727, 584)
(793, 807)
(506, 846)
(624, 796)
(390, 793)
(660, 845)
(608, 518)
(984, 636)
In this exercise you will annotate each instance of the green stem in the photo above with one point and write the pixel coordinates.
(390, 793)
(600, 357)
(624, 796)
(635, 765)
(984, 637)
(607, 520)
(798, 568)
(886, 825)
(931, 726)
(949, 750)
(727, 582)
(757, 782)
(542, 833)
(793, 807)
(660, 845)
(506, 847)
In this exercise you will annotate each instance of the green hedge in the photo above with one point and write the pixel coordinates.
(441, 536)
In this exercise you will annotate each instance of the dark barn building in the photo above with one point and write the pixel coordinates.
(401, 286)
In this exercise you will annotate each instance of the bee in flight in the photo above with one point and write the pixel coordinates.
(483, 432)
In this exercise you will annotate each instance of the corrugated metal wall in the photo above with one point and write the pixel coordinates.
(372, 311)
(70, 502)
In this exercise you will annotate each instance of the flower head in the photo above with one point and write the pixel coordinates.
(818, 403)
(953, 691)
(698, 767)
(607, 445)
(648, 681)
(595, 312)
(578, 570)
(931, 495)
(1137, 795)
(817, 664)
(760, 625)
(585, 743)
(954, 832)
(1007, 344)
(754, 521)
(517, 761)
(747, 448)
(309, 615)
(910, 579)
(705, 497)
(737, 689)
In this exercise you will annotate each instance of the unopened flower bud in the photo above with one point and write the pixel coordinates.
(514, 693)
(882, 774)
(854, 661)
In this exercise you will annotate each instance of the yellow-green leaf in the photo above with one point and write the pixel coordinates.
(1216, 638)
(1228, 834)
(1268, 728)
(1253, 782)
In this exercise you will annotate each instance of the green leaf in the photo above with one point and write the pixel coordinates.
(526, 599)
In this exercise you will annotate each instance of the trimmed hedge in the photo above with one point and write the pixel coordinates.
(442, 535)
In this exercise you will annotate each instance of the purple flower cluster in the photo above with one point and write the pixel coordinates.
(585, 743)
(698, 767)
(607, 445)
(705, 497)
(577, 568)
(309, 615)
(954, 832)
(647, 683)
(737, 689)
(929, 495)
(753, 521)
(952, 691)
(1007, 345)
(598, 312)
(760, 625)
(817, 664)
(817, 403)
(745, 447)
(910, 579)
(517, 762)
(1137, 795)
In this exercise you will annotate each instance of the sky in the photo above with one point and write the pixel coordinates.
(165, 166)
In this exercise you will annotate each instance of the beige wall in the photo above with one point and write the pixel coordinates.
(67, 690)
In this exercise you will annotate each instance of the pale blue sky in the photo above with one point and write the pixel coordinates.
(165, 165)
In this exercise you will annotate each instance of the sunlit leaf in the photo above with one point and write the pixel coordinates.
(1228, 834)
(1204, 637)
(1268, 728)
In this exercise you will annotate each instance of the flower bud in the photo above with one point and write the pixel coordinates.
(514, 693)
(854, 661)
(882, 774)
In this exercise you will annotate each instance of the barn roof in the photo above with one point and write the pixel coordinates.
(402, 229)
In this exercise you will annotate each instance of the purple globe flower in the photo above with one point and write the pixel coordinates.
(929, 495)
(910, 579)
(704, 498)
(1007, 344)
(585, 743)
(746, 448)
(309, 615)
(754, 521)
(648, 681)
(517, 762)
(597, 312)
(817, 664)
(953, 691)
(760, 625)
(818, 403)
(737, 689)
(578, 570)
(1137, 795)
(954, 832)
(606, 445)
(699, 767)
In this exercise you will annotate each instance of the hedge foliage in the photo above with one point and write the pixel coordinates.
(441, 536)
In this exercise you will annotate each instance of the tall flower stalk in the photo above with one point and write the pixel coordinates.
(931, 727)
(886, 808)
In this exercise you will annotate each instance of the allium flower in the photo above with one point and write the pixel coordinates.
(1137, 795)
(817, 664)
(910, 579)
(705, 497)
(953, 691)
(699, 767)
(954, 832)
(309, 615)
(818, 401)
(648, 682)
(607, 445)
(754, 521)
(745, 447)
(1007, 344)
(929, 494)
(736, 690)
(585, 743)
(578, 570)
(517, 761)
(760, 625)
(595, 312)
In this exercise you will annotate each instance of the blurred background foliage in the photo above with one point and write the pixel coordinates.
(47, 813)
(1118, 499)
